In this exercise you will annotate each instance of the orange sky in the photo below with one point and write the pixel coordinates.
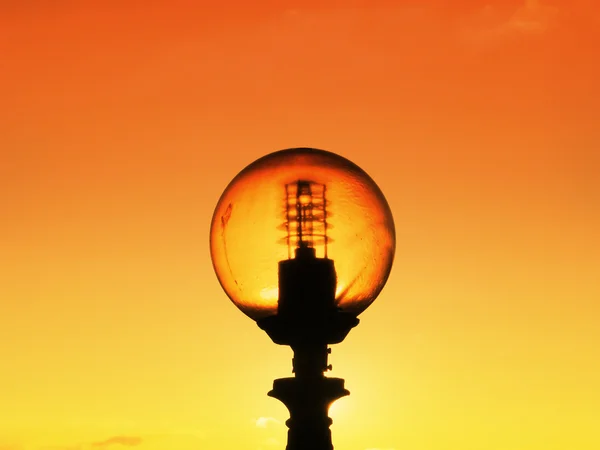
(121, 124)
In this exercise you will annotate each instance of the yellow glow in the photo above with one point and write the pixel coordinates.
(304, 199)
(337, 409)
(270, 294)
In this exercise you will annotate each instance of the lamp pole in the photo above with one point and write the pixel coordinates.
(308, 321)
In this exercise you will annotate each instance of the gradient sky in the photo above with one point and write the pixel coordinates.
(121, 124)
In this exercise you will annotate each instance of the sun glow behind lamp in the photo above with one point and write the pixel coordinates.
(302, 241)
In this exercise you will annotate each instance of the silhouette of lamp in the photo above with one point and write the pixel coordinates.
(302, 241)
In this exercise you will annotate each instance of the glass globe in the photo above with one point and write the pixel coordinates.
(297, 202)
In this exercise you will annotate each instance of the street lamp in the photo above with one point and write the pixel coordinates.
(302, 241)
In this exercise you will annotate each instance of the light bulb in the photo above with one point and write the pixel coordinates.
(302, 203)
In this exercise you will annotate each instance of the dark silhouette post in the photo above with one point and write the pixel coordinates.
(326, 273)
(308, 321)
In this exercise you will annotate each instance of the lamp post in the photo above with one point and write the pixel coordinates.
(306, 286)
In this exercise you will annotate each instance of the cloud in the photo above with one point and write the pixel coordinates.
(493, 24)
(263, 422)
(129, 441)
(532, 17)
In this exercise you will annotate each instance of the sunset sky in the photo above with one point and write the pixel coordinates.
(121, 123)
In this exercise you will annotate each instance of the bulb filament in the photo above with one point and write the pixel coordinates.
(306, 218)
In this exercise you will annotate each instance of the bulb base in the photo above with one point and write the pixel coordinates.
(306, 286)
